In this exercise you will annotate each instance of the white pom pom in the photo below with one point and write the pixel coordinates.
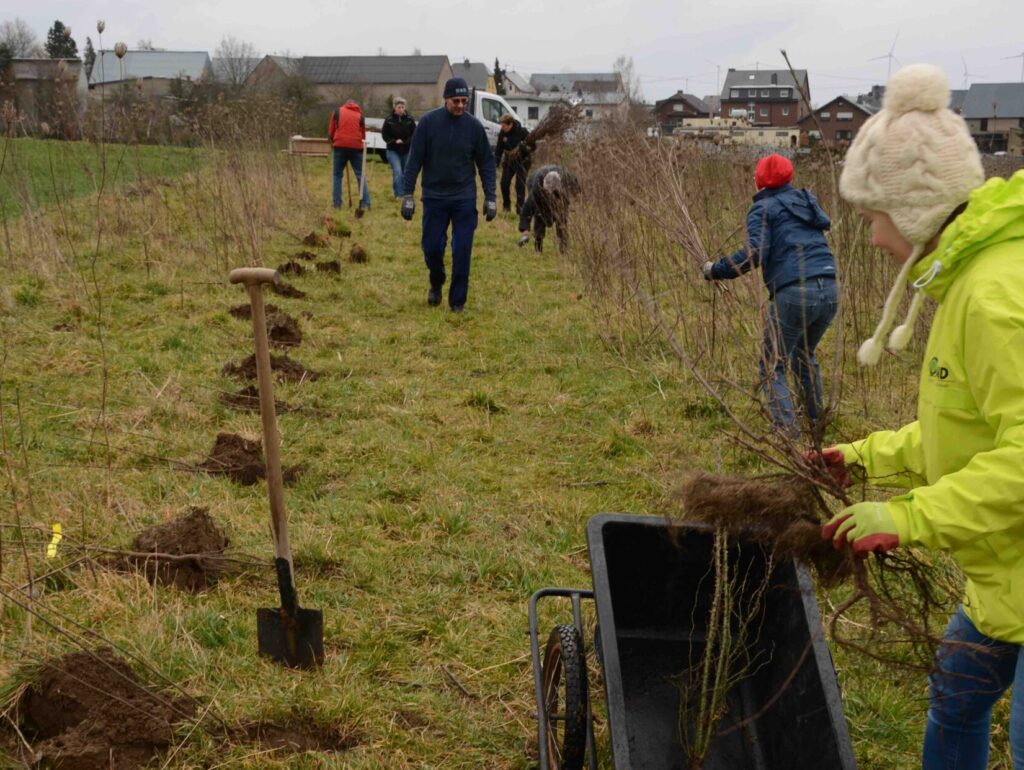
(917, 87)
(870, 352)
(900, 337)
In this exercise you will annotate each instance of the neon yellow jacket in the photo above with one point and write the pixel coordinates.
(963, 459)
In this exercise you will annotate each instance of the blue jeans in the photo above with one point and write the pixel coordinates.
(343, 155)
(798, 317)
(971, 672)
(397, 161)
(462, 216)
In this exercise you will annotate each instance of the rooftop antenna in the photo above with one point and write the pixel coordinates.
(890, 56)
(1021, 57)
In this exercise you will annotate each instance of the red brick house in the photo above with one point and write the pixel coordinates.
(671, 112)
(765, 97)
(840, 120)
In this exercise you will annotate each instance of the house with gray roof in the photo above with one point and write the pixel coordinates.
(370, 80)
(516, 84)
(765, 97)
(669, 113)
(995, 115)
(475, 74)
(48, 94)
(602, 94)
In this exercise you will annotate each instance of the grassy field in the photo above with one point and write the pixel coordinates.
(36, 172)
(453, 461)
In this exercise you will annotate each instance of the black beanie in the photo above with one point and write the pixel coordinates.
(456, 87)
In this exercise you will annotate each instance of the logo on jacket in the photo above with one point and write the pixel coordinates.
(936, 370)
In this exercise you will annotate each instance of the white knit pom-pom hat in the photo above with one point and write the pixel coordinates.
(915, 161)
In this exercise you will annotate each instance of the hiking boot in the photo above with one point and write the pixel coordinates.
(434, 296)
(458, 308)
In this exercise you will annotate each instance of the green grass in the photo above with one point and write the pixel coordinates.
(454, 462)
(44, 172)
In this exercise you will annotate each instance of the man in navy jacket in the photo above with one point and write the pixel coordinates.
(450, 147)
(786, 239)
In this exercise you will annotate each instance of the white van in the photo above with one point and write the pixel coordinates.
(488, 109)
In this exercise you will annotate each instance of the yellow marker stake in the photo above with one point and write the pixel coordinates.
(51, 549)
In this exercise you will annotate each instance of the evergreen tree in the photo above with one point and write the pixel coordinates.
(59, 43)
(89, 57)
(499, 77)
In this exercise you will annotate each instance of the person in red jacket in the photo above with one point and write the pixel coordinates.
(347, 132)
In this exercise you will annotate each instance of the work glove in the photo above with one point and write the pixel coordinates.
(866, 526)
(834, 463)
(524, 238)
(706, 269)
(490, 210)
(408, 207)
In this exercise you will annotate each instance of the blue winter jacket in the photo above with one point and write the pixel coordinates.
(450, 150)
(785, 238)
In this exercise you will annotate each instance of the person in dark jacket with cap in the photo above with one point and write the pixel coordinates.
(397, 133)
(450, 147)
(786, 239)
(512, 156)
(551, 188)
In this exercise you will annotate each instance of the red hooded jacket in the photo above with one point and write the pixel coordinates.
(348, 128)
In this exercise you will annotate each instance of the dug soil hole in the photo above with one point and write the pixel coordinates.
(285, 368)
(241, 460)
(301, 735)
(195, 535)
(245, 311)
(291, 268)
(283, 330)
(331, 266)
(89, 711)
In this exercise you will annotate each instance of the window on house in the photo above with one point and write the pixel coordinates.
(844, 116)
(782, 133)
(677, 108)
(825, 116)
(752, 92)
(784, 93)
(766, 93)
(734, 93)
(590, 113)
(844, 136)
(533, 113)
(764, 112)
(785, 111)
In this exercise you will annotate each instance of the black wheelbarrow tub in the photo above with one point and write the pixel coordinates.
(653, 591)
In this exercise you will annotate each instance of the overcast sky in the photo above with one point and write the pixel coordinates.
(675, 45)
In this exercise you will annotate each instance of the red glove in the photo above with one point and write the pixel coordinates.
(834, 463)
(866, 526)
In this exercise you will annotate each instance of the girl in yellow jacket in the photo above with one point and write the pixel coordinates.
(915, 174)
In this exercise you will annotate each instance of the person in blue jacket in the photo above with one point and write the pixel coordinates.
(450, 146)
(786, 239)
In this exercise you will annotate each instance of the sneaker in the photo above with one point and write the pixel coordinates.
(434, 296)
(458, 308)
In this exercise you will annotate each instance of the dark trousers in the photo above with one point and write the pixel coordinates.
(437, 216)
(558, 220)
(343, 155)
(517, 170)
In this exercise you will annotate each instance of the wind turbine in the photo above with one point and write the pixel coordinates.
(1021, 57)
(890, 56)
(969, 75)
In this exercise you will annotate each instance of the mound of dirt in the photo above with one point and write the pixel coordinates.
(89, 711)
(339, 229)
(283, 330)
(285, 368)
(283, 289)
(358, 254)
(314, 240)
(331, 266)
(245, 311)
(309, 256)
(194, 533)
(241, 460)
(248, 400)
(291, 267)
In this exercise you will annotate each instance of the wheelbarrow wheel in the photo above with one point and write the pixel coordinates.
(564, 675)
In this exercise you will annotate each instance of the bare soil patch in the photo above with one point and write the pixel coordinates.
(245, 311)
(285, 368)
(358, 254)
(283, 330)
(241, 460)
(248, 400)
(291, 267)
(195, 533)
(331, 266)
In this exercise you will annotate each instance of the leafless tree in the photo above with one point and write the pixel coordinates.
(145, 44)
(20, 39)
(630, 82)
(236, 59)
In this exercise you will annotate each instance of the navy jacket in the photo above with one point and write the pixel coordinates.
(450, 150)
(785, 238)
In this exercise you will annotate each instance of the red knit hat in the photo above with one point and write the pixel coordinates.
(773, 171)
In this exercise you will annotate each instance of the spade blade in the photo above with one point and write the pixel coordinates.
(294, 640)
